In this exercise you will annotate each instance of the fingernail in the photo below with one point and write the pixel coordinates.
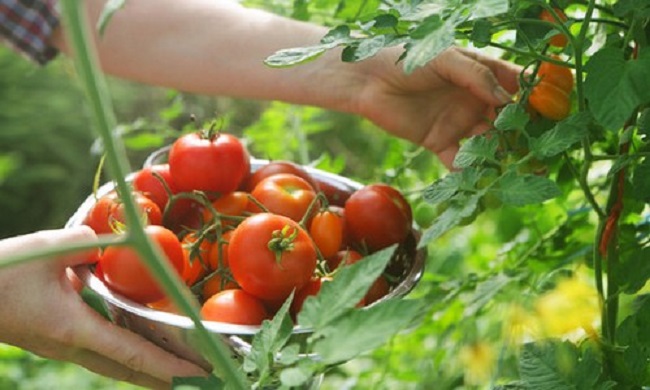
(503, 95)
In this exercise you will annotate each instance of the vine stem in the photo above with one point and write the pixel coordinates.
(97, 93)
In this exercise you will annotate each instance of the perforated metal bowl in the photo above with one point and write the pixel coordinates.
(176, 333)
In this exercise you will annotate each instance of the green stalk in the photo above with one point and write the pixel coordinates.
(117, 164)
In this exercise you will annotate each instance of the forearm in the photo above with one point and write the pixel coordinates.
(218, 48)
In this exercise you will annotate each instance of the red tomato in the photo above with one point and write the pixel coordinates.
(195, 258)
(109, 211)
(378, 216)
(275, 167)
(326, 229)
(214, 163)
(213, 254)
(560, 76)
(550, 101)
(377, 290)
(234, 307)
(270, 256)
(148, 181)
(217, 283)
(231, 204)
(165, 305)
(336, 193)
(558, 40)
(126, 273)
(284, 194)
(347, 256)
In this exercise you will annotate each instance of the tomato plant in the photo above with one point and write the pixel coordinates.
(378, 216)
(270, 256)
(234, 307)
(125, 272)
(208, 161)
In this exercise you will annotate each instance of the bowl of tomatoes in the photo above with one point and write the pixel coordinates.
(243, 234)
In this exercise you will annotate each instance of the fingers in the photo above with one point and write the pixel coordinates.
(131, 350)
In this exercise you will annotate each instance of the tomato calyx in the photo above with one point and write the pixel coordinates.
(211, 133)
(282, 241)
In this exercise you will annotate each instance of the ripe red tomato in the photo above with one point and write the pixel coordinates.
(284, 194)
(217, 283)
(558, 40)
(275, 167)
(125, 272)
(336, 193)
(326, 229)
(550, 101)
(109, 211)
(270, 256)
(378, 216)
(195, 258)
(377, 290)
(234, 307)
(148, 181)
(214, 253)
(211, 163)
(347, 256)
(560, 76)
(231, 204)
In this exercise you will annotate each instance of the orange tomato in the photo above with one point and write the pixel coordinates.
(550, 101)
(560, 76)
(559, 39)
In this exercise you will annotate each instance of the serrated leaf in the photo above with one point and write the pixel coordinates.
(422, 50)
(289, 355)
(368, 47)
(449, 219)
(614, 87)
(481, 33)
(488, 8)
(297, 55)
(520, 190)
(511, 117)
(485, 292)
(442, 189)
(110, 8)
(476, 150)
(640, 182)
(364, 330)
(634, 271)
(561, 137)
(273, 335)
(295, 377)
(548, 366)
(344, 291)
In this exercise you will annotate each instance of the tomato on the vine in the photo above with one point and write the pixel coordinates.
(195, 257)
(559, 39)
(206, 161)
(232, 204)
(378, 216)
(550, 101)
(326, 229)
(284, 194)
(124, 271)
(234, 307)
(108, 212)
(271, 255)
(558, 75)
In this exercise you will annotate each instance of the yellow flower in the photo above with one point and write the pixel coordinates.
(479, 360)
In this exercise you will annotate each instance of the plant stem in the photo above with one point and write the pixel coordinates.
(117, 163)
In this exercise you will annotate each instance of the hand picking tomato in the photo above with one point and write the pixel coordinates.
(284, 194)
(207, 161)
(234, 307)
(550, 101)
(109, 211)
(559, 39)
(125, 272)
(270, 256)
(275, 167)
(560, 76)
(378, 216)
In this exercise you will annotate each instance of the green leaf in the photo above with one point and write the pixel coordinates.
(548, 366)
(449, 219)
(640, 182)
(344, 291)
(422, 50)
(367, 48)
(511, 117)
(297, 55)
(644, 122)
(476, 150)
(295, 377)
(520, 190)
(96, 302)
(488, 8)
(614, 87)
(273, 335)
(366, 329)
(561, 137)
(634, 271)
(481, 33)
(108, 11)
(485, 292)
(443, 189)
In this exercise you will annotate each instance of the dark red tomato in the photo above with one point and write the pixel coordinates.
(335, 192)
(125, 272)
(377, 290)
(559, 39)
(108, 212)
(326, 229)
(214, 163)
(234, 307)
(270, 256)
(347, 256)
(195, 258)
(232, 204)
(378, 216)
(284, 194)
(550, 101)
(275, 167)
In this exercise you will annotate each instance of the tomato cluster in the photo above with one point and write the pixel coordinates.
(244, 239)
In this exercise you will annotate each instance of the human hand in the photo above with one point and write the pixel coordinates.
(450, 98)
(42, 312)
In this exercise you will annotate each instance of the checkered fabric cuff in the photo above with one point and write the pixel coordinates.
(27, 26)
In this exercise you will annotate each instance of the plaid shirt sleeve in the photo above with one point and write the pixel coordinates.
(27, 26)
